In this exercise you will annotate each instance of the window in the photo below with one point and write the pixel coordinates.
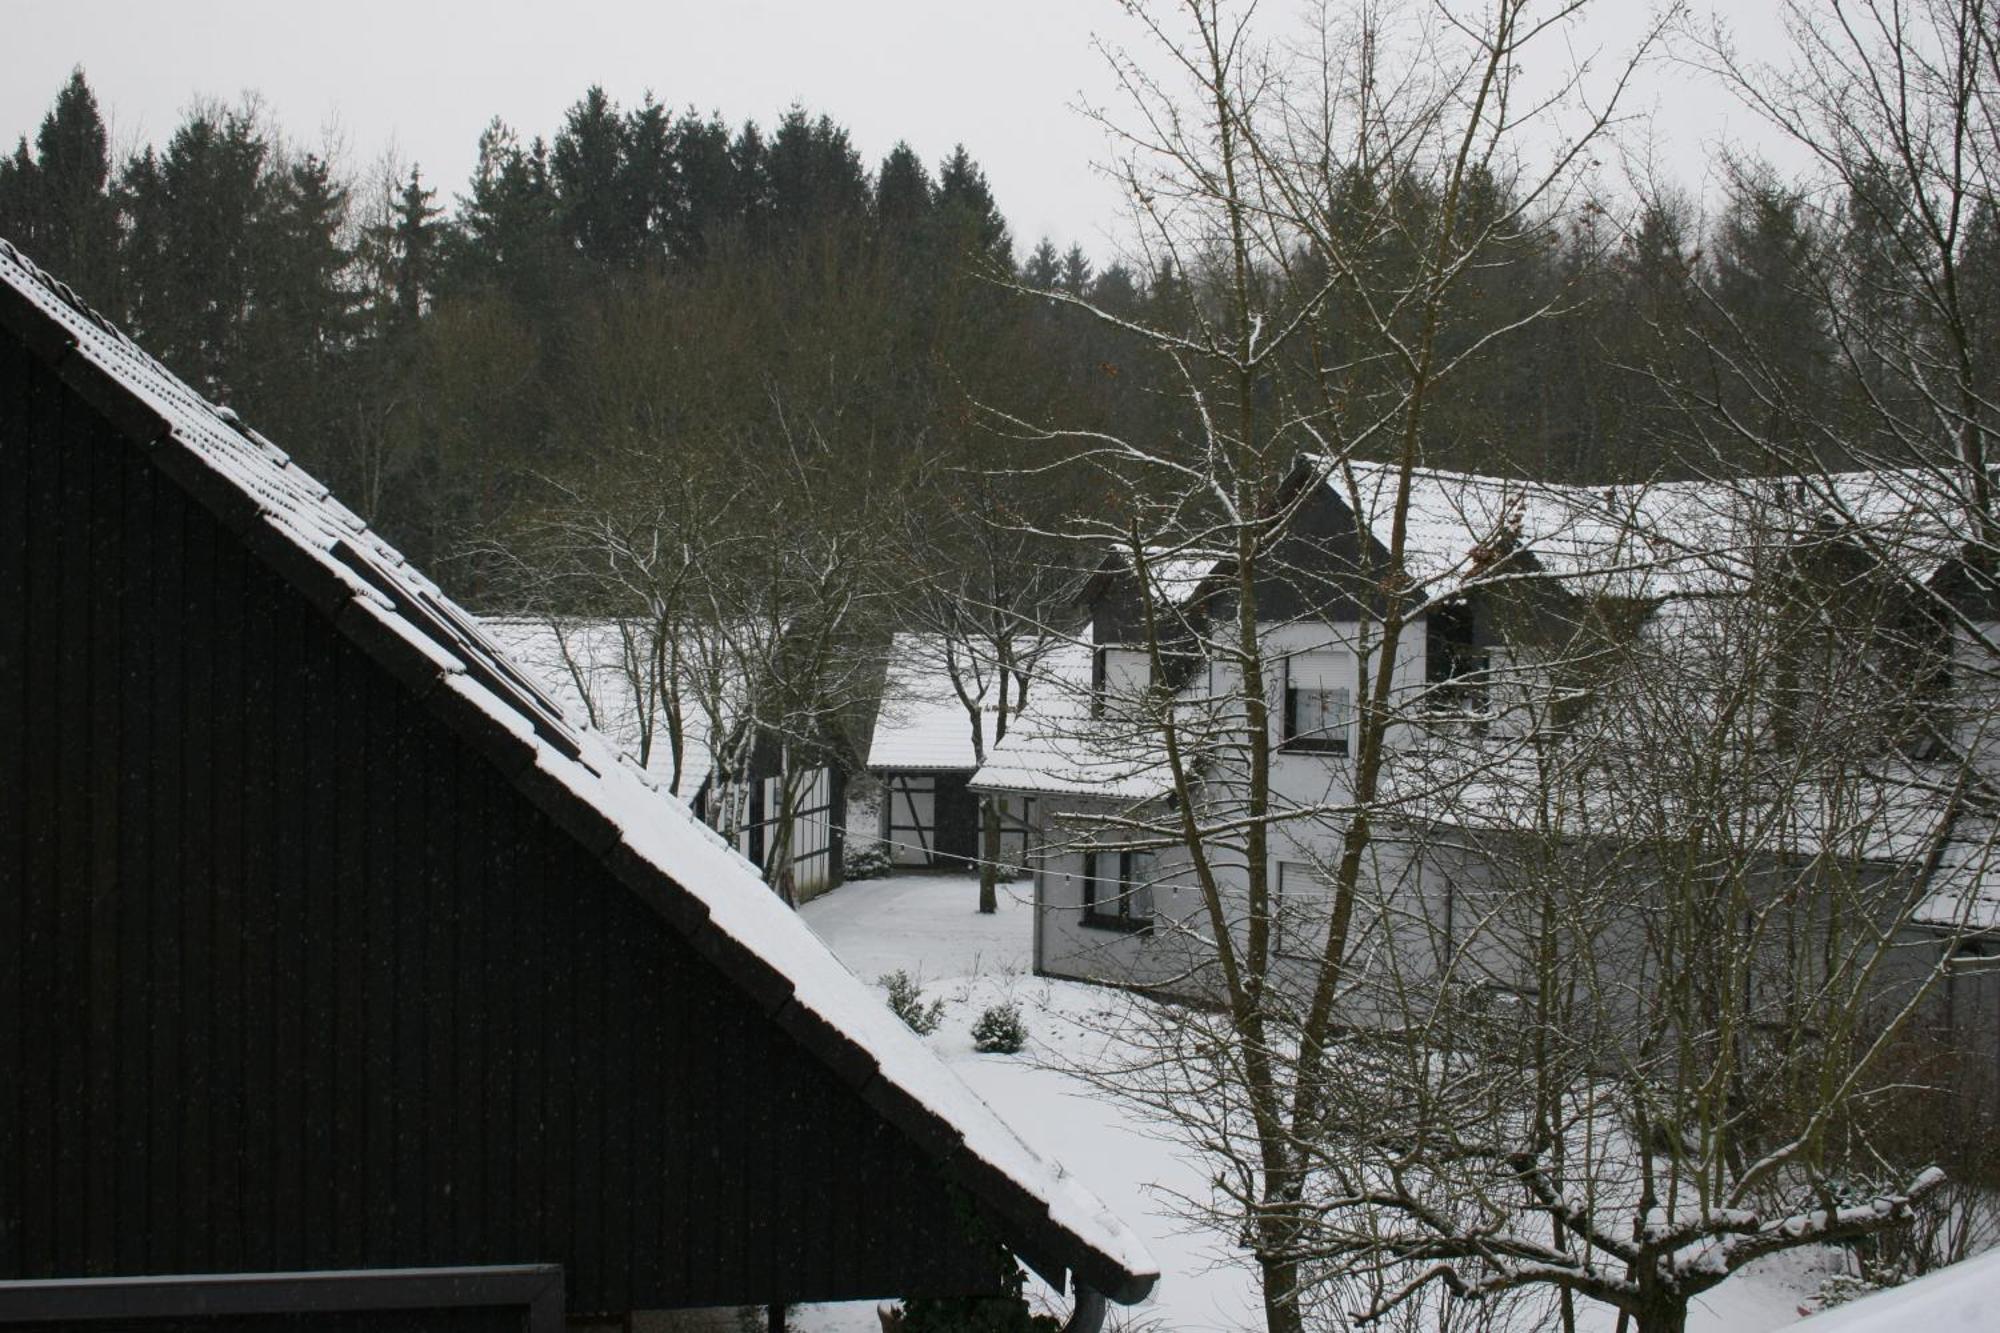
(1302, 912)
(1319, 701)
(1118, 889)
(1456, 669)
(1117, 676)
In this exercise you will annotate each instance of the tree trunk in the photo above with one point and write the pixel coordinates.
(1664, 1318)
(1281, 1292)
(989, 854)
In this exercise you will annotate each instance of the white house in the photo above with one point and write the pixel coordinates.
(1485, 695)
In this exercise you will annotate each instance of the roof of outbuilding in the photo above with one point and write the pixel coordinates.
(584, 665)
(650, 843)
(922, 724)
(1061, 746)
(1964, 888)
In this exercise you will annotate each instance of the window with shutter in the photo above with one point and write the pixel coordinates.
(1302, 911)
(1319, 701)
(1118, 889)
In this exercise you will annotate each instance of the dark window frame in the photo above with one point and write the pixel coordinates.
(1124, 891)
(1458, 669)
(1317, 742)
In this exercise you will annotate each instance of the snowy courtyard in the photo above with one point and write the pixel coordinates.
(927, 926)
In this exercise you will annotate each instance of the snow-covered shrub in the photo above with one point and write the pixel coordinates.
(868, 860)
(906, 997)
(1841, 1288)
(1000, 1031)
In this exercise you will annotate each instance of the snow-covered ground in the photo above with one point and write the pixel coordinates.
(928, 926)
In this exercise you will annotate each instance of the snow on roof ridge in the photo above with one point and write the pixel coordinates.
(1652, 538)
(661, 832)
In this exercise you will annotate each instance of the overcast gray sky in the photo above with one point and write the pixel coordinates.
(1003, 78)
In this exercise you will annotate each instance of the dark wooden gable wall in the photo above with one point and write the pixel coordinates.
(1311, 572)
(291, 978)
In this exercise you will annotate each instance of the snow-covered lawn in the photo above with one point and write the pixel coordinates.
(928, 926)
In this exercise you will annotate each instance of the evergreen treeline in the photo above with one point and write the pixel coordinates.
(648, 290)
(639, 281)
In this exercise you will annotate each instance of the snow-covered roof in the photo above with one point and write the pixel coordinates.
(655, 845)
(1965, 886)
(1957, 1298)
(922, 723)
(1648, 539)
(1178, 575)
(587, 667)
(1058, 747)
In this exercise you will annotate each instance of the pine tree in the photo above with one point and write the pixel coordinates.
(967, 212)
(711, 198)
(586, 166)
(815, 175)
(649, 183)
(55, 203)
(193, 216)
(1075, 271)
(404, 250)
(1763, 274)
(751, 178)
(1043, 269)
(903, 193)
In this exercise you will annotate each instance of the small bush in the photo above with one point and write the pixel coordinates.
(1841, 1288)
(975, 1314)
(868, 860)
(1000, 1031)
(906, 997)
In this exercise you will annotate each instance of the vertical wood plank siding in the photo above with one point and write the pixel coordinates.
(291, 978)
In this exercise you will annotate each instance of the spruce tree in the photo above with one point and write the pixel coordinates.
(586, 165)
(710, 200)
(750, 178)
(506, 238)
(814, 173)
(649, 184)
(1115, 292)
(54, 203)
(970, 217)
(903, 193)
(303, 325)
(1770, 326)
(1043, 268)
(194, 222)
(1075, 271)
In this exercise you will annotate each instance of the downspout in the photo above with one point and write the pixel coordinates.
(1088, 1317)
(1032, 854)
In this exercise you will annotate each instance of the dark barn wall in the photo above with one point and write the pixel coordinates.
(292, 978)
(957, 821)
